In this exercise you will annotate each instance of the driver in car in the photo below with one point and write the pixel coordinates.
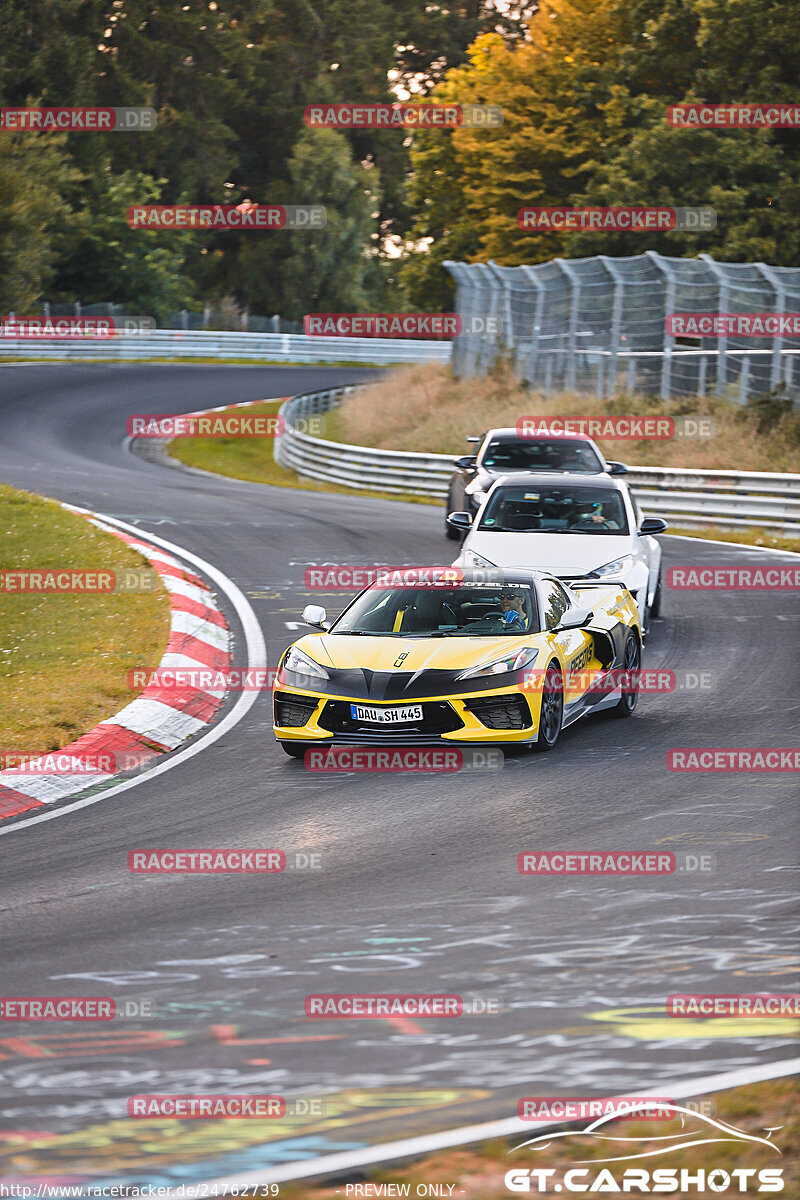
(513, 619)
(595, 517)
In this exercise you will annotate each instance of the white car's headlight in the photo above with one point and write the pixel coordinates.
(514, 661)
(300, 664)
(472, 559)
(618, 567)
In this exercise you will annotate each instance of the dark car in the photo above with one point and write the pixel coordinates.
(503, 451)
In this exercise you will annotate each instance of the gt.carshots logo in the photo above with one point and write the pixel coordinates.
(697, 1128)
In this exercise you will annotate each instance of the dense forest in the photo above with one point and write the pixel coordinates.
(583, 84)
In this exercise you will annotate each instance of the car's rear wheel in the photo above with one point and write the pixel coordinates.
(632, 661)
(452, 535)
(552, 710)
(294, 749)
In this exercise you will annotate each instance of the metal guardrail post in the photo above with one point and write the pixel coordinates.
(780, 300)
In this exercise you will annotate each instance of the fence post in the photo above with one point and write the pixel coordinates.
(669, 303)
(722, 307)
(575, 300)
(780, 301)
(616, 322)
(533, 355)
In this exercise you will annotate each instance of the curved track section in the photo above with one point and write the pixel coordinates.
(418, 889)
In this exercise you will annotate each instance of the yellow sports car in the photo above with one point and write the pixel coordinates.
(453, 656)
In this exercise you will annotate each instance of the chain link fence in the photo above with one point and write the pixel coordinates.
(599, 325)
(212, 317)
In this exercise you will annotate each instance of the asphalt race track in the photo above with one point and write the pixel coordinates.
(418, 889)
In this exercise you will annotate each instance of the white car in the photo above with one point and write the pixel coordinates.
(573, 526)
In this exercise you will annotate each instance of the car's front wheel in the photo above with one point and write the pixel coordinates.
(552, 710)
(632, 662)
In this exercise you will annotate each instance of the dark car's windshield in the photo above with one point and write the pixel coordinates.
(471, 610)
(530, 454)
(594, 510)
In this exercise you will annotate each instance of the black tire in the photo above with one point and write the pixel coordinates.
(655, 607)
(552, 713)
(294, 749)
(632, 661)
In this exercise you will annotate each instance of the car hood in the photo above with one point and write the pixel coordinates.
(347, 653)
(570, 554)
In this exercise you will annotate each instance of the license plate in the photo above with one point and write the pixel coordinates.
(386, 716)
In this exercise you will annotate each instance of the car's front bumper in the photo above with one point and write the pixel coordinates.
(471, 718)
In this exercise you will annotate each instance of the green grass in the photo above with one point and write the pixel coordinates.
(64, 658)
(743, 537)
(253, 459)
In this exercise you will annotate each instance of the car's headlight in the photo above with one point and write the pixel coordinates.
(300, 664)
(618, 567)
(514, 661)
(471, 559)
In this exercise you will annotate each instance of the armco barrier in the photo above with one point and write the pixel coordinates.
(694, 499)
(268, 347)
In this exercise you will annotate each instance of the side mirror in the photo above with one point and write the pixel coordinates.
(575, 618)
(617, 468)
(466, 462)
(460, 520)
(651, 525)
(315, 616)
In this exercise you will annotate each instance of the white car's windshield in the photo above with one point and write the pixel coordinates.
(469, 610)
(567, 509)
(532, 455)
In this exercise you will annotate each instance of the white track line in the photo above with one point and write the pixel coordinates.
(682, 537)
(256, 660)
(351, 1160)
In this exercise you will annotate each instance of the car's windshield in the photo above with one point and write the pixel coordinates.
(556, 509)
(468, 610)
(530, 454)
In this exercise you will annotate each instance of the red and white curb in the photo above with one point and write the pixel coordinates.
(159, 719)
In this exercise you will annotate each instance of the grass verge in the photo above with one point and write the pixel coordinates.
(64, 658)
(477, 1172)
(253, 459)
(424, 408)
